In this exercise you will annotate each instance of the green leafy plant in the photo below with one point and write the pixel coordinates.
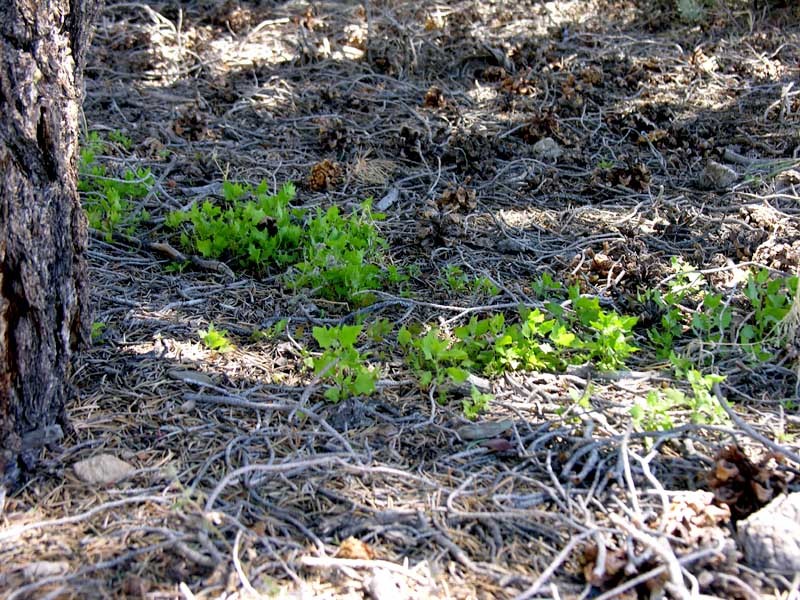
(341, 363)
(338, 257)
(109, 201)
(177, 267)
(433, 358)
(98, 327)
(691, 11)
(120, 138)
(544, 286)
(605, 164)
(477, 403)
(250, 227)
(770, 302)
(215, 339)
(454, 278)
(273, 332)
(457, 281)
(537, 343)
(654, 414)
(608, 343)
(689, 309)
(341, 255)
(379, 329)
(483, 286)
(685, 307)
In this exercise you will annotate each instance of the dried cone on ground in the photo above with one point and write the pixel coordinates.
(634, 176)
(334, 135)
(438, 224)
(324, 175)
(434, 98)
(743, 485)
(457, 198)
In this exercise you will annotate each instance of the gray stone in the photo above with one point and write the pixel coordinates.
(547, 149)
(718, 176)
(770, 538)
(101, 469)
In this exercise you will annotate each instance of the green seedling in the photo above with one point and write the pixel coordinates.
(654, 414)
(722, 323)
(537, 343)
(545, 286)
(341, 363)
(109, 201)
(457, 281)
(377, 331)
(582, 399)
(215, 339)
(608, 344)
(338, 257)
(605, 164)
(484, 287)
(394, 275)
(477, 403)
(771, 300)
(120, 138)
(251, 227)
(433, 358)
(273, 332)
(177, 267)
(454, 279)
(692, 11)
(341, 255)
(98, 327)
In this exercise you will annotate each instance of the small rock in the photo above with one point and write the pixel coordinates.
(547, 149)
(481, 431)
(194, 377)
(483, 385)
(770, 537)
(44, 568)
(718, 176)
(385, 585)
(789, 176)
(101, 469)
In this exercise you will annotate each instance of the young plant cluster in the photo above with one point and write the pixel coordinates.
(750, 327)
(336, 256)
(341, 363)
(655, 412)
(252, 228)
(110, 201)
(577, 330)
(546, 340)
(747, 326)
(454, 279)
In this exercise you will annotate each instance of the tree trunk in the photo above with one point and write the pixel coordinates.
(43, 237)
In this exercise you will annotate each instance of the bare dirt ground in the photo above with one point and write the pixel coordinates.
(246, 480)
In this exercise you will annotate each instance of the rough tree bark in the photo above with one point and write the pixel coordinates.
(43, 235)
